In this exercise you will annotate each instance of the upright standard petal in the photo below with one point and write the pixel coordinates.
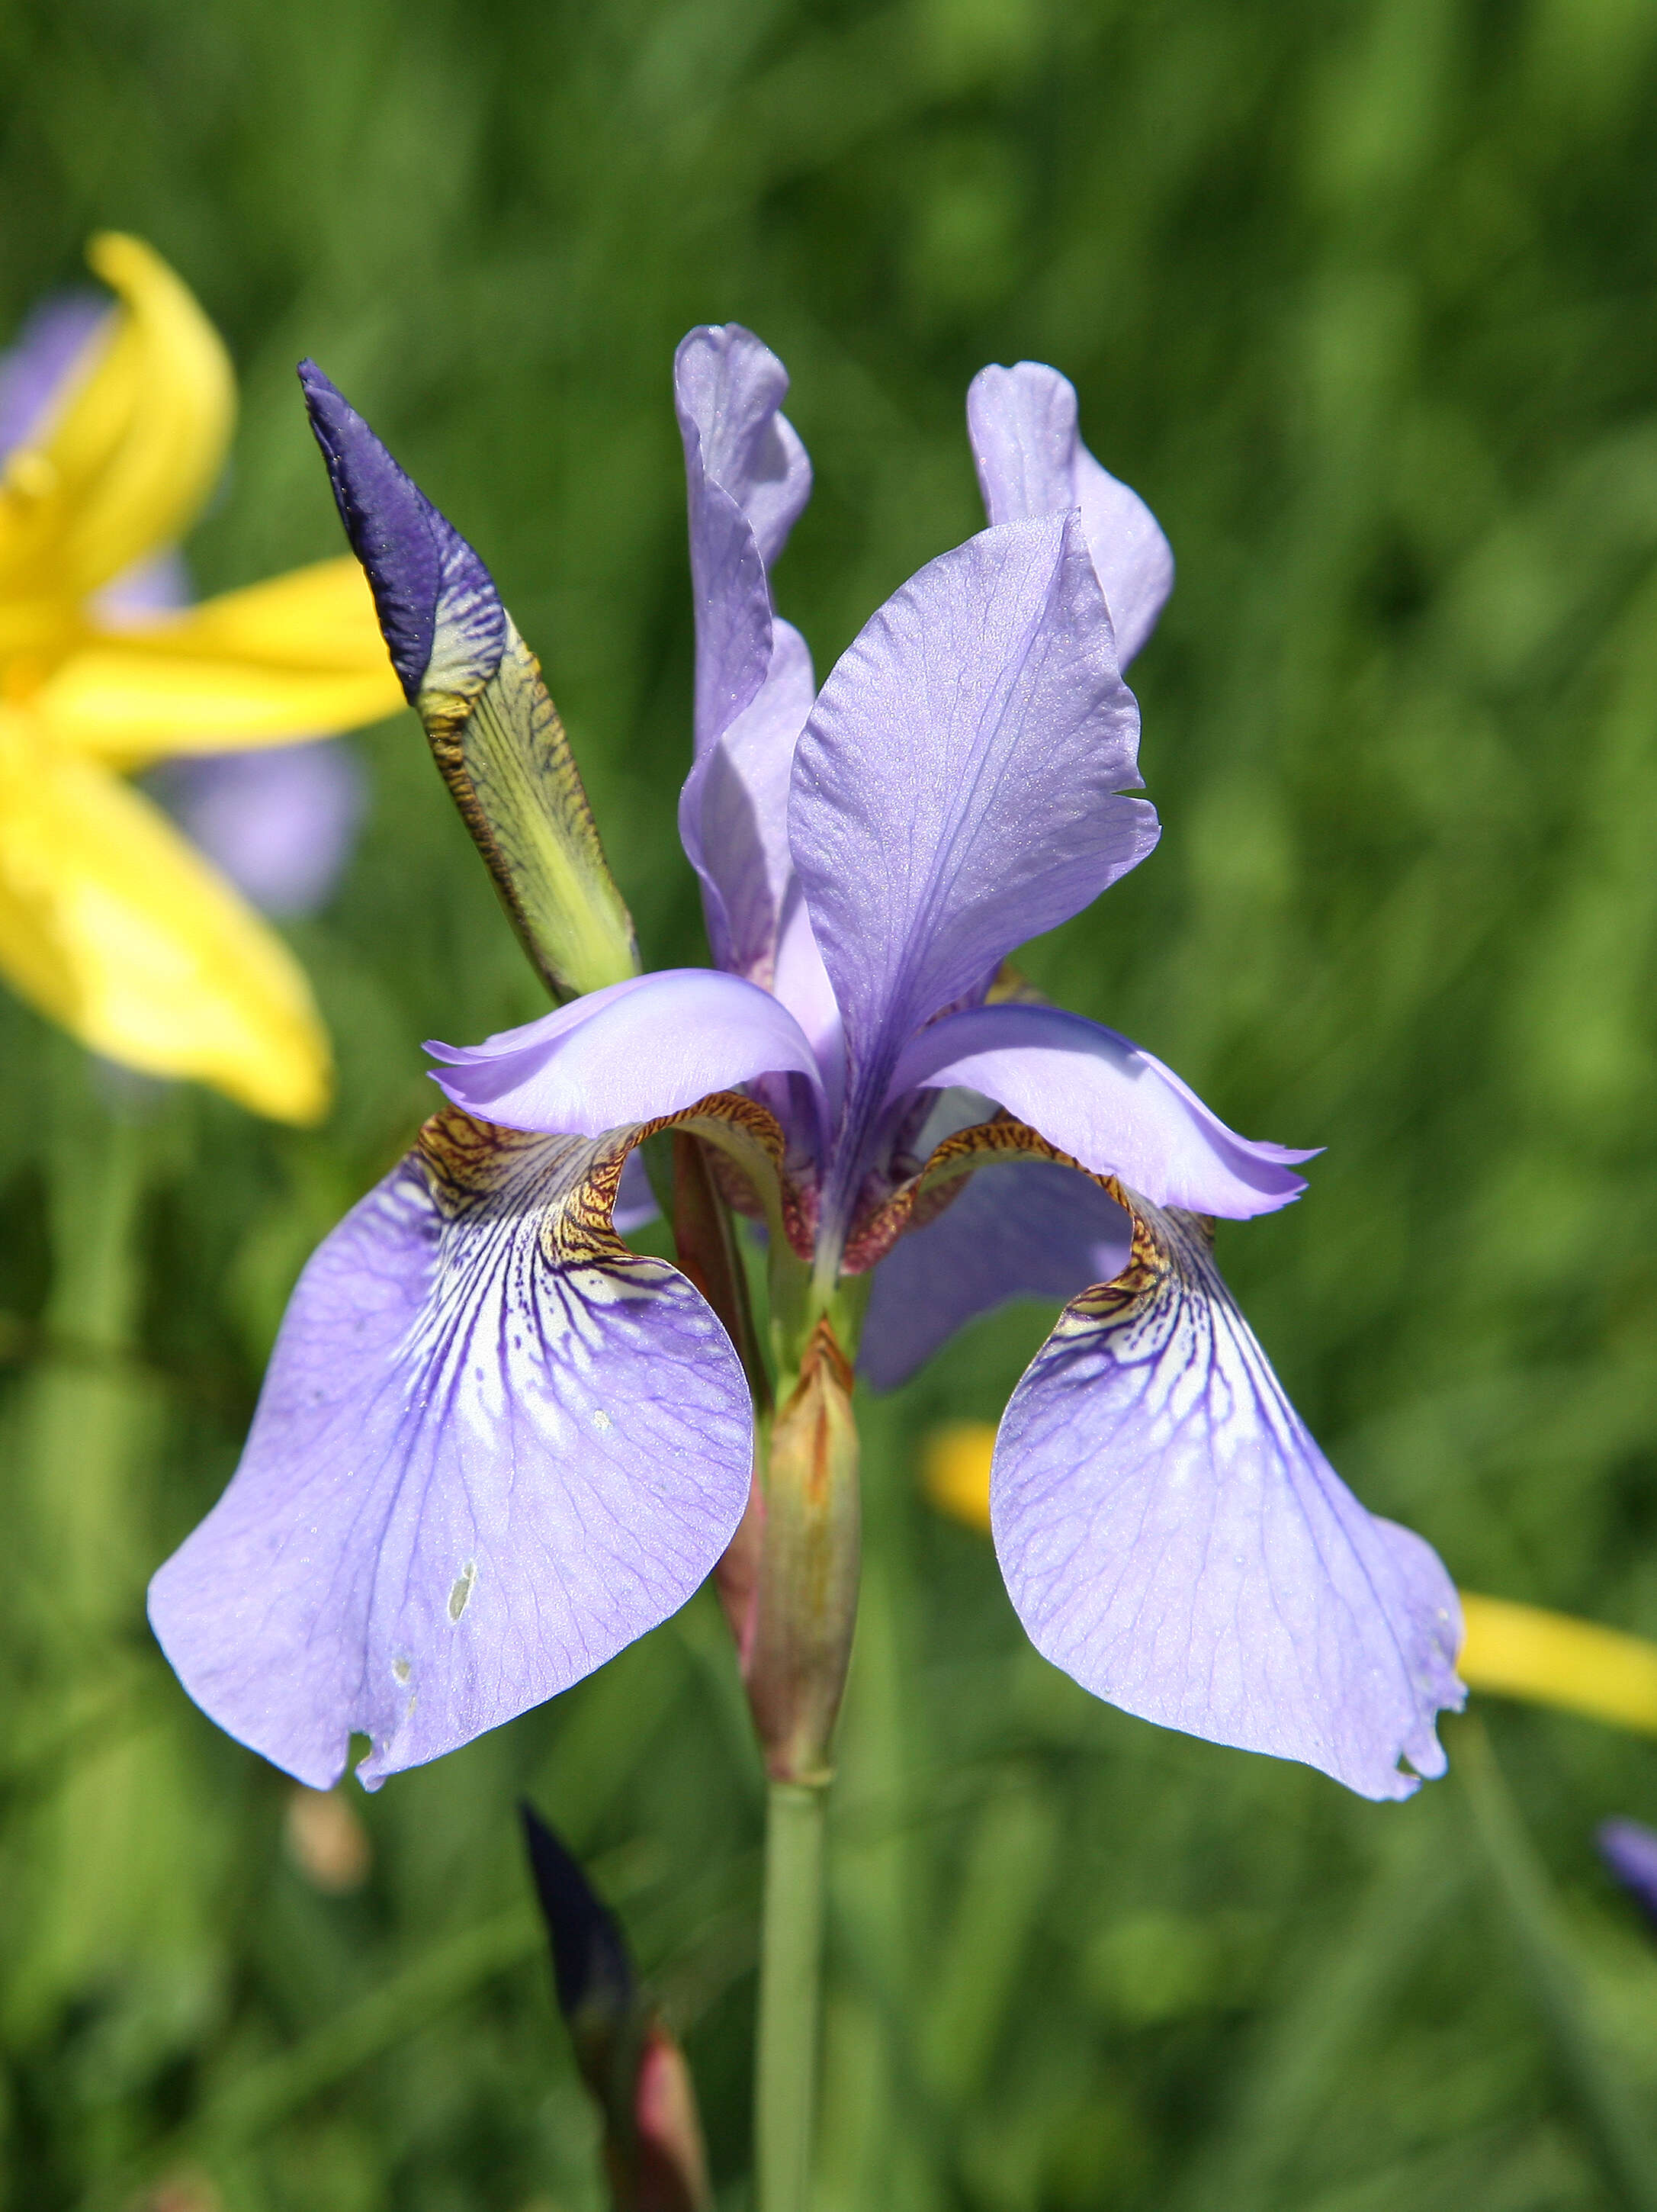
(728, 388)
(493, 1446)
(957, 788)
(1171, 1537)
(747, 479)
(733, 814)
(1031, 461)
(1016, 1229)
(493, 731)
(653, 1045)
(1115, 1109)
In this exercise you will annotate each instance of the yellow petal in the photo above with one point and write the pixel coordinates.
(299, 657)
(135, 447)
(955, 1471)
(321, 616)
(115, 927)
(1550, 1659)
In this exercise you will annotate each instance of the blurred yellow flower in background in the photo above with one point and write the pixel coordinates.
(111, 922)
(1514, 1651)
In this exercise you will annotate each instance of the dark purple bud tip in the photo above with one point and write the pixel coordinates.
(1630, 1851)
(416, 560)
(590, 1963)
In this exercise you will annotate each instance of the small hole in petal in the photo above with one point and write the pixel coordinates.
(460, 1595)
(601, 1421)
(402, 1669)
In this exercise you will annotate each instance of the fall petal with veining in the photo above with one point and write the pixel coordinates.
(493, 1447)
(1171, 1537)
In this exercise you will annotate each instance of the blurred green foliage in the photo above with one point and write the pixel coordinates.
(1363, 299)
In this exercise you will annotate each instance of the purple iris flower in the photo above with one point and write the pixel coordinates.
(281, 822)
(495, 1445)
(34, 372)
(1629, 1849)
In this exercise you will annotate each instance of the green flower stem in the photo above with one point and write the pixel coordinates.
(791, 1958)
(84, 1421)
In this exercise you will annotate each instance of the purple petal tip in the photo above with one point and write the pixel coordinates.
(415, 558)
(1629, 1849)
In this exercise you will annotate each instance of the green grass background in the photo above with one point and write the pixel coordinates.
(1361, 297)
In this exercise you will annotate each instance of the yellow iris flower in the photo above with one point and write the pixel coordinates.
(1513, 1651)
(111, 922)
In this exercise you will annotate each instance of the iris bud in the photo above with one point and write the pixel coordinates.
(493, 729)
(653, 2153)
(805, 1603)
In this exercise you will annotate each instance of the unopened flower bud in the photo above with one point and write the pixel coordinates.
(806, 1602)
(653, 2151)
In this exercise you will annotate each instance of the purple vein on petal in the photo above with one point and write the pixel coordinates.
(958, 788)
(1172, 1537)
(379, 1561)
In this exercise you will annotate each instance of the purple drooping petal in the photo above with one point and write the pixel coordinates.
(733, 813)
(1629, 1849)
(652, 1045)
(281, 823)
(438, 606)
(747, 479)
(1031, 462)
(957, 788)
(1115, 1109)
(489, 1452)
(1018, 1229)
(1172, 1537)
(33, 371)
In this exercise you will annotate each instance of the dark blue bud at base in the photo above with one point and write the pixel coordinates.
(590, 1963)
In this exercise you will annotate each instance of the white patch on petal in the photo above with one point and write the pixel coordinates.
(460, 1595)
